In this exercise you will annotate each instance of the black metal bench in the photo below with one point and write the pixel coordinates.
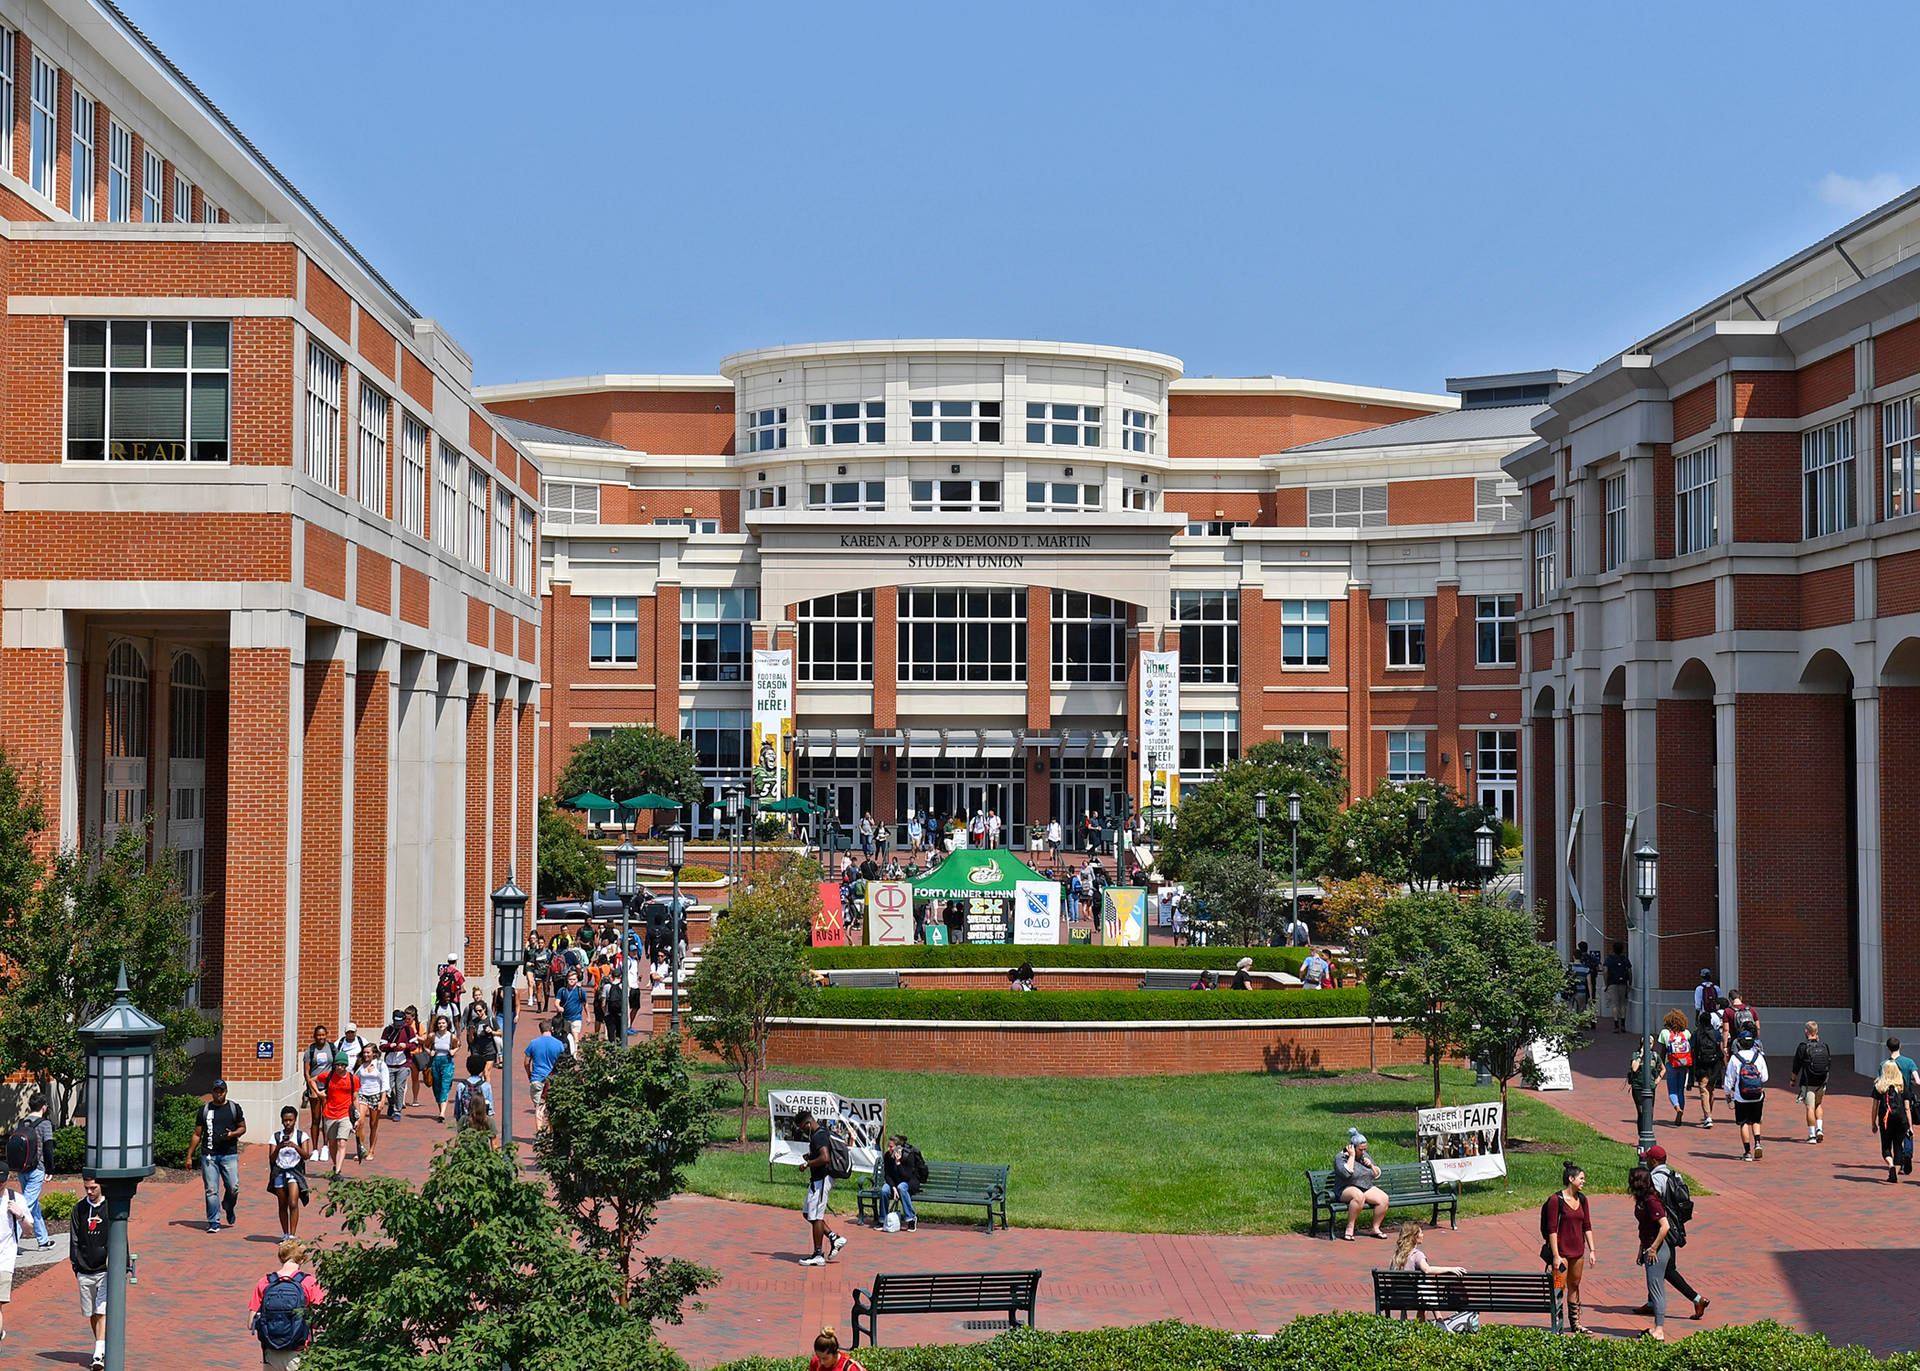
(864, 980)
(1169, 980)
(948, 1292)
(1407, 1185)
(1481, 1292)
(948, 1183)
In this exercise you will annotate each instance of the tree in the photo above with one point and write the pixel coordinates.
(1350, 909)
(1233, 890)
(754, 969)
(1217, 815)
(623, 1124)
(1382, 834)
(1416, 963)
(630, 762)
(475, 1269)
(571, 863)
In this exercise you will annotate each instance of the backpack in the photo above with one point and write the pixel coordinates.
(839, 1160)
(1746, 1077)
(23, 1145)
(916, 1164)
(448, 987)
(1819, 1060)
(1679, 1202)
(283, 1313)
(1744, 1021)
(557, 966)
(470, 1106)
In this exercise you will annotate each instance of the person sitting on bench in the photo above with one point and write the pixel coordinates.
(1407, 1256)
(1354, 1174)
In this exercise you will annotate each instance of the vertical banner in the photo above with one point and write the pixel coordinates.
(889, 913)
(772, 723)
(1160, 728)
(1036, 911)
(1123, 916)
(829, 923)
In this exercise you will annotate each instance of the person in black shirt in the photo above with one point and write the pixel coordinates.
(219, 1127)
(88, 1253)
(1619, 976)
(819, 1188)
(1243, 975)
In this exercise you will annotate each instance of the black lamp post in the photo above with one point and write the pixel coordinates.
(509, 951)
(1420, 811)
(1483, 852)
(626, 884)
(1260, 828)
(1646, 885)
(1293, 822)
(676, 858)
(119, 1047)
(733, 835)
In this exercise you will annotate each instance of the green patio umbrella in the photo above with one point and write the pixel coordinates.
(650, 801)
(793, 804)
(586, 799)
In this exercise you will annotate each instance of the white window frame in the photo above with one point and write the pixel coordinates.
(570, 502)
(1613, 497)
(1209, 739)
(611, 613)
(1063, 425)
(1898, 444)
(847, 494)
(767, 429)
(1501, 615)
(766, 497)
(1089, 638)
(81, 154)
(446, 499)
(476, 516)
(1497, 772)
(153, 183)
(1308, 737)
(833, 637)
(988, 646)
(1063, 497)
(723, 617)
(1202, 629)
(689, 522)
(1827, 478)
(1347, 506)
(954, 421)
(412, 494)
(956, 495)
(1546, 563)
(502, 548)
(198, 380)
(835, 423)
(7, 49)
(1407, 633)
(523, 547)
(1213, 528)
(1140, 498)
(323, 416)
(43, 134)
(1300, 620)
(1406, 756)
(182, 198)
(209, 212)
(1696, 482)
(372, 437)
(1139, 431)
(1496, 500)
(119, 172)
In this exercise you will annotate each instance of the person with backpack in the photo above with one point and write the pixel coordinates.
(1656, 1245)
(573, 1002)
(280, 1304)
(1908, 1070)
(901, 1168)
(1618, 973)
(1709, 1066)
(218, 1127)
(1706, 997)
(287, 1152)
(1675, 1045)
(396, 1050)
(1893, 1120)
(1746, 1087)
(1737, 1017)
(1812, 1064)
(440, 1045)
(15, 1224)
(473, 1097)
(29, 1149)
(1566, 1225)
(827, 1157)
(1677, 1199)
(87, 1251)
(447, 989)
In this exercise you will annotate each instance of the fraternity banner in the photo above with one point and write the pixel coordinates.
(772, 723)
(1160, 727)
(1123, 916)
(1462, 1141)
(1079, 937)
(936, 934)
(889, 913)
(829, 922)
(863, 1123)
(987, 919)
(1036, 912)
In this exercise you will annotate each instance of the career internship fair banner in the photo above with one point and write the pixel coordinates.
(772, 722)
(1036, 911)
(863, 1123)
(1160, 721)
(1462, 1141)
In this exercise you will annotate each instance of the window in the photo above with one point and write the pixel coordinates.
(1303, 632)
(80, 167)
(847, 495)
(958, 496)
(1208, 741)
(1209, 635)
(323, 416)
(1614, 493)
(502, 549)
(955, 421)
(1406, 757)
(523, 548)
(152, 177)
(1495, 501)
(1695, 477)
(716, 633)
(1406, 632)
(373, 449)
(1826, 459)
(766, 429)
(147, 392)
(446, 499)
(691, 525)
(413, 475)
(119, 173)
(613, 631)
(182, 199)
(1497, 774)
(1896, 432)
(1089, 638)
(1062, 497)
(476, 517)
(1064, 425)
(858, 422)
(571, 502)
(1213, 528)
(1138, 497)
(44, 127)
(963, 635)
(1346, 506)
(1545, 566)
(835, 633)
(721, 740)
(1496, 630)
(1139, 431)
(6, 97)
(209, 212)
(766, 497)
(1309, 737)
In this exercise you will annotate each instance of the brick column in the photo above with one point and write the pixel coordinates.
(261, 687)
(1543, 860)
(1603, 894)
(33, 681)
(479, 789)
(886, 657)
(527, 804)
(22, 112)
(372, 754)
(1899, 940)
(1259, 665)
(1040, 707)
(323, 816)
(137, 179)
(1689, 932)
(213, 902)
(1361, 764)
(1449, 658)
(63, 139)
(102, 140)
(666, 664)
(501, 834)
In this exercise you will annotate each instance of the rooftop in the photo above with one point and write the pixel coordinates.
(526, 431)
(1488, 424)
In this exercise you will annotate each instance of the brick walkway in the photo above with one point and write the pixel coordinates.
(1767, 1243)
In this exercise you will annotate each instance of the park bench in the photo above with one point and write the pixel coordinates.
(1481, 1292)
(949, 1183)
(864, 980)
(946, 1292)
(1407, 1185)
(1173, 980)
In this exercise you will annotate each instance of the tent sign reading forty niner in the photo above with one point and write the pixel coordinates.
(1462, 1141)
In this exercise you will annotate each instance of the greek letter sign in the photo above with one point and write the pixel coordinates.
(889, 913)
(1036, 911)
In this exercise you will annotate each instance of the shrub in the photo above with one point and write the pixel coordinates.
(1075, 1006)
(965, 955)
(173, 1122)
(695, 875)
(69, 1149)
(57, 1205)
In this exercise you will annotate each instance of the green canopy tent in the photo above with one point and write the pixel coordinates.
(975, 871)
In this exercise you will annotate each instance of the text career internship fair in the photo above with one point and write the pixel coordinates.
(967, 551)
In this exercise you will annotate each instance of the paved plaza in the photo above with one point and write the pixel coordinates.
(1810, 1235)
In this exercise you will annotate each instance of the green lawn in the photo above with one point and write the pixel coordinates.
(1163, 1154)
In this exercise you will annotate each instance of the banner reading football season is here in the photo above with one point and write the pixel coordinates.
(772, 723)
(1123, 917)
(1036, 911)
(1462, 1141)
(863, 1123)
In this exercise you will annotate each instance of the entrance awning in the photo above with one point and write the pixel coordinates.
(923, 742)
(825, 742)
(997, 744)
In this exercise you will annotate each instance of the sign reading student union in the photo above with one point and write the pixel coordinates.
(966, 551)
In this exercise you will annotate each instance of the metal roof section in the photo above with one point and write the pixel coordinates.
(1300, 388)
(1489, 424)
(526, 431)
(593, 385)
(738, 362)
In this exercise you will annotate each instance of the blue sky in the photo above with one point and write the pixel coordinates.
(1376, 194)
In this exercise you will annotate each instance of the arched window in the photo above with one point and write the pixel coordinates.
(124, 740)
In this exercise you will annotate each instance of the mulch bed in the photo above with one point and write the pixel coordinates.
(1345, 1078)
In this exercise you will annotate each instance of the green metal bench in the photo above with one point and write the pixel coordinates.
(965, 1183)
(944, 1293)
(864, 980)
(1481, 1292)
(1407, 1185)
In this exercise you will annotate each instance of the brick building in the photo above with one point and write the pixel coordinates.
(968, 543)
(1723, 637)
(266, 567)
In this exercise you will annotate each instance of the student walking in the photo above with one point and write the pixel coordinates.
(396, 1050)
(440, 1060)
(28, 1152)
(1671, 1187)
(1566, 1222)
(218, 1128)
(826, 1242)
(371, 1073)
(1893, 1118)
(87, 1250)
(1675, 1045)
(538, 1060)
(315, 1062)
(1812, 1064)
(15, 1224)
(1746, 1086)
(341, 1087)
(280, 1303)
(1709, 1068)
(287, 1153)
(1618, 974)
(1656, 1246)
(473, 1097)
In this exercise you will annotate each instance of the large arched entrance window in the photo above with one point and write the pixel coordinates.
(124, 749)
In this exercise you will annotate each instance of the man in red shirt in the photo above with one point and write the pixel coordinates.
(280, 1302)
(336, 1115)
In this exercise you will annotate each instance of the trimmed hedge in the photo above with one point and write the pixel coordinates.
(1043, 955)
(56, 1206)
(1059, 1006)
(1362, 1342)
